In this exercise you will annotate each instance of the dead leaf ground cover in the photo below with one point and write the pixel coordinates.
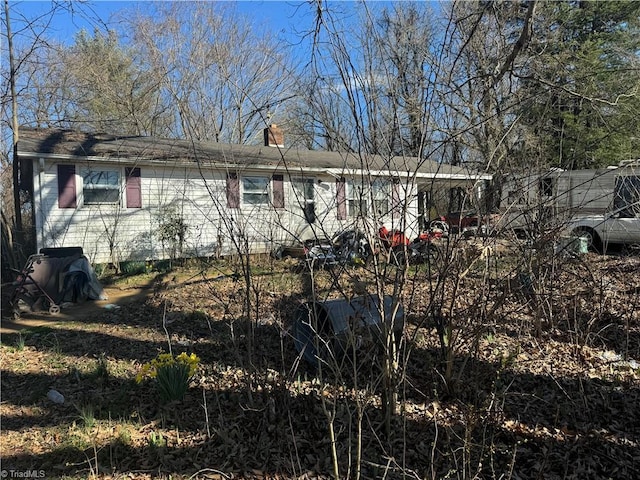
(532, 376)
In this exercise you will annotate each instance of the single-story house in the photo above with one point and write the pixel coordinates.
(126, 198)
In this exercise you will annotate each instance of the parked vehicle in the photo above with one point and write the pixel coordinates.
(462, 222)
(352, 247)
(440, 227)
(621, 227)
(602, 206)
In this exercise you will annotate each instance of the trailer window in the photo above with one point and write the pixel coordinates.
(546, 187)
(100, 187)
(626, 198)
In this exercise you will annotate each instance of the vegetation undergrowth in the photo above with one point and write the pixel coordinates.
(479, 371)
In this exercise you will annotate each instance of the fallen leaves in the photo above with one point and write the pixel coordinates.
(561, 404)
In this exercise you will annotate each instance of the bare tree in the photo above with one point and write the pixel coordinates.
(402, 93)
(95, 85)
(398, 49)
(33, 31)
(17, 206)
(223, 80)
(47, 86)
(481, 98)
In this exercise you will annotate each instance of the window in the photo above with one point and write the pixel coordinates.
(255, 190)
(356, 199)
(100, 187)
(304, 190)
(546, 187)
(359, 196)
(626, 197)
(380, 194)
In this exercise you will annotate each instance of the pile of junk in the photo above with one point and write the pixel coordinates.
(53, 278)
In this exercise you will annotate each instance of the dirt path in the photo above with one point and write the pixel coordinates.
(75, 312)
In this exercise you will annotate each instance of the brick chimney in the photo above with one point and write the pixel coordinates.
(273, 136)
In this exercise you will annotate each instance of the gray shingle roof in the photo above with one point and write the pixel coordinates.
(72, 144)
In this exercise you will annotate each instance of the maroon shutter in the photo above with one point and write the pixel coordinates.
(133, 187)
(67, 186)
(341, 198)
(278, 191)
(233, 190)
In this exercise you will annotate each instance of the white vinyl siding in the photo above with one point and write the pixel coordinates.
(115, 233)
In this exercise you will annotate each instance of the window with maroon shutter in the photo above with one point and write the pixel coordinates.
(233, 190)
(133, 187)
(341, 199)
(278, 191)
(67, 186)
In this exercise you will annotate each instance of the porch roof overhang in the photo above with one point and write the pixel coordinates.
(420, 177)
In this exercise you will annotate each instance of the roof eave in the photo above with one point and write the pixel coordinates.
(334, 172)
(58, 157)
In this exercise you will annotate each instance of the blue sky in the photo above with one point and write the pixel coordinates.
(282, 17)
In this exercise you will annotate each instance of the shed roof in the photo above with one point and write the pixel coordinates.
(69, 144)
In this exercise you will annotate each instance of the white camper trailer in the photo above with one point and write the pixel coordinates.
(536, 203)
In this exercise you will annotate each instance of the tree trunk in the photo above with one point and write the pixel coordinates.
(14, 126)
